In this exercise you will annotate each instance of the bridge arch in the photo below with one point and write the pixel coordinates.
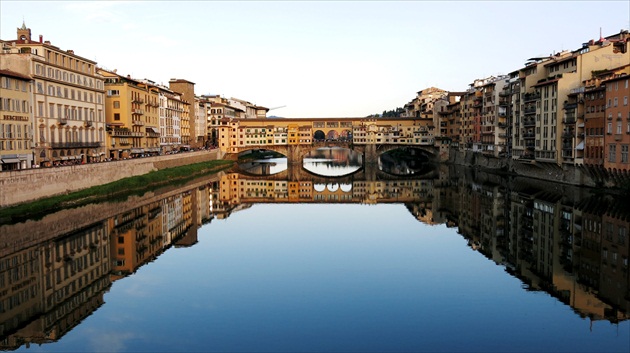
(319, 135)
(332, 135)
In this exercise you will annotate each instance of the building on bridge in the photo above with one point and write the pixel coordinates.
(296, 137)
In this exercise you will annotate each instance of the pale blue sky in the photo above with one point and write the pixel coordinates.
(320, 58)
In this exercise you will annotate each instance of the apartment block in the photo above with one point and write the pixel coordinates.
(16, 121)
(131, 108)
(68, 100)
(617, 136)
(173, 109)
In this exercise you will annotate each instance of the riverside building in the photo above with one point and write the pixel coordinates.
(67, 100)
(16, 121)
(132, 116)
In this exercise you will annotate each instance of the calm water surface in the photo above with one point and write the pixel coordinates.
(241, 263)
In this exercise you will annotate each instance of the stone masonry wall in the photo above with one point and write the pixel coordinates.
(566, 174)
(32, 184)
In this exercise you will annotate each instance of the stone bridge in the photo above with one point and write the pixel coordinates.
(295, 138)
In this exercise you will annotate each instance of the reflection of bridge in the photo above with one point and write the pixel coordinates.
(369, 172)
(295, 138)
(236, 188)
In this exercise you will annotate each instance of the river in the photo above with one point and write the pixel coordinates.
(273, 259)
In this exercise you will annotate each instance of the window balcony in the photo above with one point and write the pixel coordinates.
(529, 110)
(529, 123)
(75, 144)
(138, 122)
(529, 135)
(530, 97)
(569, 121)
(570, 106)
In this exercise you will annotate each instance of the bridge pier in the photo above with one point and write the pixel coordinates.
(370, 156)
(294, 155)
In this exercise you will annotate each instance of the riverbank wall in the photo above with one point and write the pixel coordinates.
(581, 175)
(32, 184)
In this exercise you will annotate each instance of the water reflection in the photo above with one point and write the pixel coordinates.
(268, 166)
(333, 161)
(556, 239)
(329, 162)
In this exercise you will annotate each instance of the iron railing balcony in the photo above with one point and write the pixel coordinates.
(569, 106)
(531, 122)
(529, 110)
(569, 121)
(530, 97)
(75, 144)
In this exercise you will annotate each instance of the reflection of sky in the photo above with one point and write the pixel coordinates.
(328, 167)
(332, 278)
(324, 167)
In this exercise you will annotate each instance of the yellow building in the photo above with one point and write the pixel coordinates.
(16, 121)
(193, 133)
(68, 99)
(131, 108)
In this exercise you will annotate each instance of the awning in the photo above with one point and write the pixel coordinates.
(10, 160)
(580, 146)
(152, 129)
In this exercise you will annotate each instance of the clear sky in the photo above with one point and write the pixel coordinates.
(317, 58)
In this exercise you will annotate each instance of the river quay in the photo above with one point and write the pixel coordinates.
(32, 184)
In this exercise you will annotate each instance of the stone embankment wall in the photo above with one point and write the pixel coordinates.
(31, 184)
(566, 174)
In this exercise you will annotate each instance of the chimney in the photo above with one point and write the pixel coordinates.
(41, 38)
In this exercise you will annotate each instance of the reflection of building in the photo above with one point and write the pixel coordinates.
(136, 237)
(575, 250)
(47, 289)
(50, 280)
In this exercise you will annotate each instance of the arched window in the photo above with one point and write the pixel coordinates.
(52, 134)
(42, 133)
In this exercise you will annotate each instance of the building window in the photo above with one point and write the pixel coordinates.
(612, 151)
(624, 153)
(116, 116)
(116, 104)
